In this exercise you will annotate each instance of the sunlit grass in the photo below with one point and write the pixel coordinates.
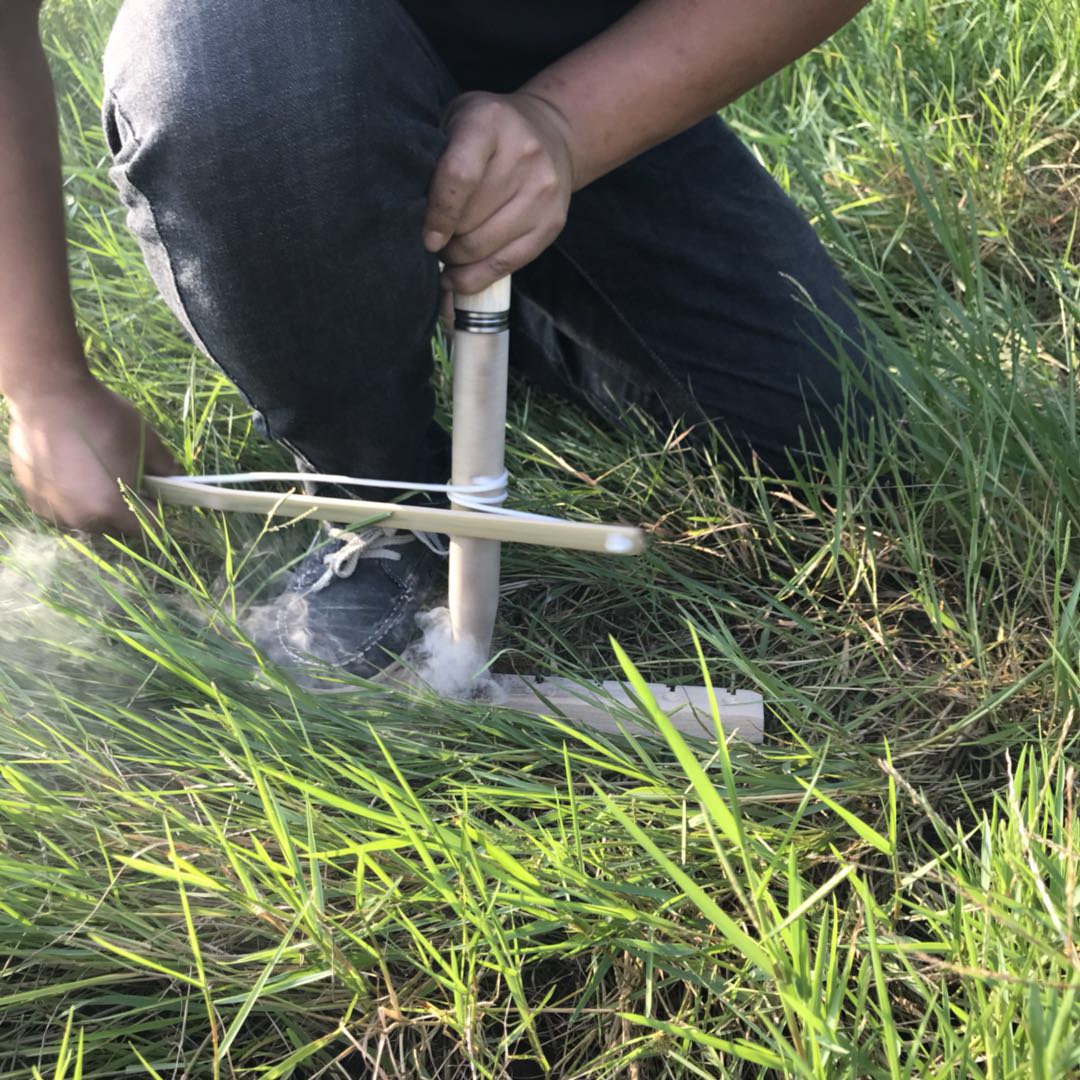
(208, 871)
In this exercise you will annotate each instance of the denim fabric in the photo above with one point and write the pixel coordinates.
(497, 45)
(275, 158)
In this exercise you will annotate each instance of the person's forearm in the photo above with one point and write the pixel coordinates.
(39, 345)
(669, 64)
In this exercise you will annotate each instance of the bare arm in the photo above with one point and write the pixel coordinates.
(502, 189)
(71, 439)
(669, 64)
(38, 342)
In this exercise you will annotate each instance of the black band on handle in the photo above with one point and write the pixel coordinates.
(481, 322)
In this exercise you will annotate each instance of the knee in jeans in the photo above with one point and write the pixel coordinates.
(161, 61)
(297, 76)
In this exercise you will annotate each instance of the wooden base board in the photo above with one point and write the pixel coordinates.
(688, 707)
(603, 706)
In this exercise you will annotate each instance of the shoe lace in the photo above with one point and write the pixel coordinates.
(370, 543)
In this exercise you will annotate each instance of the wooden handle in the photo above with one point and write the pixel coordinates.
(481, 348)
(494, 300)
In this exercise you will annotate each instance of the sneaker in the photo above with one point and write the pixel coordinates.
(351, 604)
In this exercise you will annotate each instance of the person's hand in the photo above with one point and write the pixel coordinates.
(69, 446)
(501, 190)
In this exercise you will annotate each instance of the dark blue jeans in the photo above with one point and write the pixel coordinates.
(274, 158)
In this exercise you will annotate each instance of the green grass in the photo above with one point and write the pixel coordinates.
(208, 872)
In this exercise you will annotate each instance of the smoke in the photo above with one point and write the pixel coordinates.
(452, 669)
(52, 604)
(28, 570)
(44, 586)
(284, 634)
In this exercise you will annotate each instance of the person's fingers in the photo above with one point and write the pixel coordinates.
(122, 523)
(159, 462)
(509, 223)
(515, 174)
(108, 514)
(478, 276)
(510, 236)
(457, 175)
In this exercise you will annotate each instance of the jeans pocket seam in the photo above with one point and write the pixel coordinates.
(125, 139)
